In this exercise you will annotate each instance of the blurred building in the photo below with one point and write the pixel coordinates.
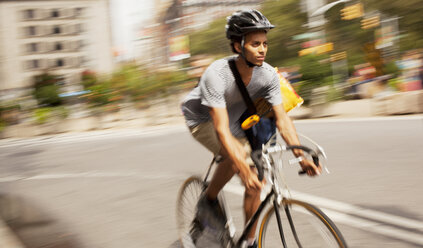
(59, 37)
(176, 19)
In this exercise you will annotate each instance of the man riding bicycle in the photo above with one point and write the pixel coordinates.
(212, 110)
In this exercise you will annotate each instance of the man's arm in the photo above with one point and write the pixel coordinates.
(232, 148)
(289, 134)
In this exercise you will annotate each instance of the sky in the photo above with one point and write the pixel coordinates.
(127, 17)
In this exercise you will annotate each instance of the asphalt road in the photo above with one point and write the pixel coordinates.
(118, 188)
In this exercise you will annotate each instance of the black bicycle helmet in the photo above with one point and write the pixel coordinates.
(242, 22)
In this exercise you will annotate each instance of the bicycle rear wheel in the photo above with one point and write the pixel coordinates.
(304, 226)
(188, 228)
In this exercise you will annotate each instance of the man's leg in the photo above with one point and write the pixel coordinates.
(251, 203)
(206, 135)
(224, 172)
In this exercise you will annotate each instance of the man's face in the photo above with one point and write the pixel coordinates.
(255, 45)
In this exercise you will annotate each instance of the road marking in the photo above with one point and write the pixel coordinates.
(91, 136)
(354, 210)
(362, 119)
(374, 227)
(356, 216)
(94, 174)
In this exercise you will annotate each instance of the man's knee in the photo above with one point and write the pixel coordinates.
(251, 192)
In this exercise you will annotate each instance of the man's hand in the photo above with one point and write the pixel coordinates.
(247, 175)
(249, 178)
(310, 168)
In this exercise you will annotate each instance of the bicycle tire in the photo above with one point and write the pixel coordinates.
(313, 228)
(188, 196)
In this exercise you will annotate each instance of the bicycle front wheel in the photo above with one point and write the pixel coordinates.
(304, 226)
(188, 228)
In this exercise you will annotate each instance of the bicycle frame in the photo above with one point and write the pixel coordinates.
(230, 226)
(275, 192)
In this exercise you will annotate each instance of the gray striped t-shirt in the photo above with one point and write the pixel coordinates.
(217, 88)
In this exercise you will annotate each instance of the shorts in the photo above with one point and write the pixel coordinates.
(207, 136)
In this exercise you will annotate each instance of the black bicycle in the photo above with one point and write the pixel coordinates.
(286, 222)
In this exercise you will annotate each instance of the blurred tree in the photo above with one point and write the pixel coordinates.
(46, 89)
(210, 40)
(316, 72)
(289, 21)
(285, 15)
(410, 22)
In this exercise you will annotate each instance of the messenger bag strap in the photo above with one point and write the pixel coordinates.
(247, 99)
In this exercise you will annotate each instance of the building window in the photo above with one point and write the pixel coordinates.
(58, 46)
(60, 63)
(33, 64)
(29, 14)
(78, 28)
(32, 47)
(31, 31)
(79, 11)
(57, 30)
(55, 13)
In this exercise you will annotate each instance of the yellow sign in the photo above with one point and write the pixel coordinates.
(370, 22)
(327, 47)
(352, 11)
(338, 56)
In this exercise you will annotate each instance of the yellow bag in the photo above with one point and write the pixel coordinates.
(290, 98)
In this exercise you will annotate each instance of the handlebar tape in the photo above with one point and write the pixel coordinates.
(256, 157)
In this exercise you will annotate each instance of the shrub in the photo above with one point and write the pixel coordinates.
(46, 90)
(42, 114)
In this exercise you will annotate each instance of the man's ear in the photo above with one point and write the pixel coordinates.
(238, 48)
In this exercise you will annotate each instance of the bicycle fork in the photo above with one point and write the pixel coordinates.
(278, 219)
(276, 206)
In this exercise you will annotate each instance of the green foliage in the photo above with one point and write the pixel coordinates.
(410, 13)
(45, 114)
(9, 112)
(48, 95)
(285, 15)
(289, 19)
(316, 72)
(210, 40)
(391, 68)
(394, 84)
(102, 93)
(88, 79)
(2, 125)
(131, 82)
(334, 93)
(42, 115)
(46, 90)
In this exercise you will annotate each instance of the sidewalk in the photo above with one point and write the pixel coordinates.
(170, 114)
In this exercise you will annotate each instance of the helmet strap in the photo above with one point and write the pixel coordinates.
(243, 53)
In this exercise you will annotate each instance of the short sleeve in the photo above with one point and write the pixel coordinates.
(273, 90)
(212, 90)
